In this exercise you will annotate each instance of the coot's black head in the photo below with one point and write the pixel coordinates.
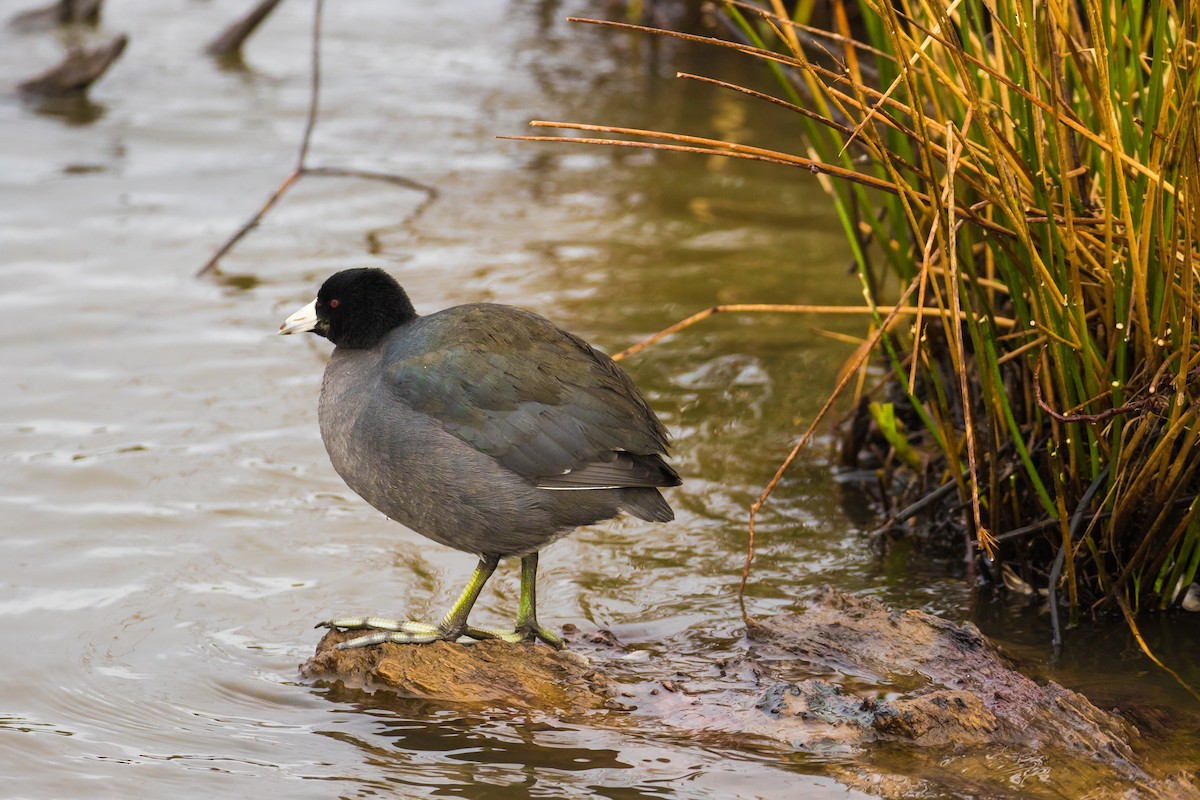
(354, 309)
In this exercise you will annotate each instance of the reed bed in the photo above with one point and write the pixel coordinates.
(1020, 179)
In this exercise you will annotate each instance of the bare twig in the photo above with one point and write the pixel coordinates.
(314, 86)
(302, 168)
(911, 510)
(371, 175)
(1025, 530)
(250, 224)
(293, 176)
(1090, 419)
(847, 375)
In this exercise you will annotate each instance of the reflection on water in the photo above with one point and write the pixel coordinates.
(424, 748)
(172, 526)
(71, 109)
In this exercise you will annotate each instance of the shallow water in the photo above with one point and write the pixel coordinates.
(172, 527)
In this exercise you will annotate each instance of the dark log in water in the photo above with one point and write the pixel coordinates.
(228, 45)
(64, 12)
(76, 72)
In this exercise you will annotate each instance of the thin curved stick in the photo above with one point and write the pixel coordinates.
(1090, 419)
(847, 375)
(372, 175)
(310, 122)
(250, 224)
(717, 147)
(1145, 648)
(900, 309)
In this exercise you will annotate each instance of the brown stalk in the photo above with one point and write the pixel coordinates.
(858, 102)
(1145, 648)
(815, 33)
(848, 373)
(717, 147)
(1090, 419)
(700, 316)
(982, 535)
(769, 55)
(1069, 120)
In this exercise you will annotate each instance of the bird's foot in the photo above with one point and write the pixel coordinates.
(529, 630)
(407, 632)
(384, 630)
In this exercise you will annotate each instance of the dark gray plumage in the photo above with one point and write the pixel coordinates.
(483, 427)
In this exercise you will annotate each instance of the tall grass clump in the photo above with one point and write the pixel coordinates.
(1019, 183)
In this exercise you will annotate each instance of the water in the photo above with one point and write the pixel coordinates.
(172, 527)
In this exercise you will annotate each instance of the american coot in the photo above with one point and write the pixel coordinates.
(483, 427)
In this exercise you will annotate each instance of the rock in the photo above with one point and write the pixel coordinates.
(895, 704)
(961, 689)
(946, 690)
(907, 704)
(530, 676)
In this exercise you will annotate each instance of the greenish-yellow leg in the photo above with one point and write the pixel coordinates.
(451, 628)
(455, 623)
(527, 624)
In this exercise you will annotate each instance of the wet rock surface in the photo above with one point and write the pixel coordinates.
(940, 694)
(959, 688)
(900, 704)
(496, 673)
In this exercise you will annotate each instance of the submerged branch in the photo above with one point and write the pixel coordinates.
(229, 43)
(78, 70)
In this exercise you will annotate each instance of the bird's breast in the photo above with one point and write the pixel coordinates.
(345, 392)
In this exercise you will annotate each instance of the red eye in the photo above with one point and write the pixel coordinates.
(334, 303)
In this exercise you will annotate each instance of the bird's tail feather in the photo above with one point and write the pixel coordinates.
(647, 504)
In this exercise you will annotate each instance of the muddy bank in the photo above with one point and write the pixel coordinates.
(902, 703)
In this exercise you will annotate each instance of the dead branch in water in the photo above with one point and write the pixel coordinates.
(64, 12)
(302, 167)
(78, 70)
(229, 43)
